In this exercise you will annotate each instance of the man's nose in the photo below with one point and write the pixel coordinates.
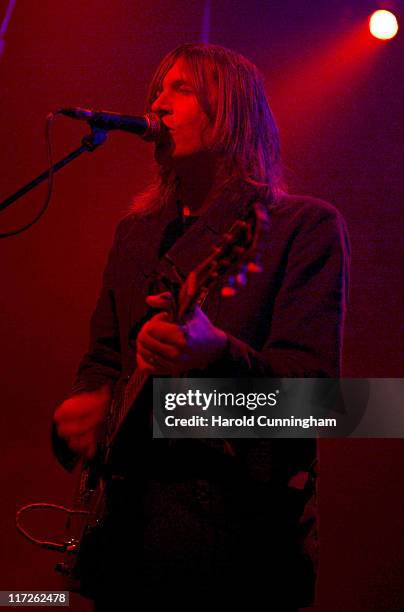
(161, 104)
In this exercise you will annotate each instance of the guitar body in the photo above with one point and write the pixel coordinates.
(102, 488)
(111, 484)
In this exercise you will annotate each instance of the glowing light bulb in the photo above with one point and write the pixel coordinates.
(383, 25)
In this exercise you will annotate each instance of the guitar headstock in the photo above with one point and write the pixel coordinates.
(237, 255)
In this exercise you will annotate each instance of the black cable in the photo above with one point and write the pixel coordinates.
(49, 120)
(61, 547)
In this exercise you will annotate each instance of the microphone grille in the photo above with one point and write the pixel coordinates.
(154, 128)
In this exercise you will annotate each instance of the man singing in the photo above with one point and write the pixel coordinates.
(218, 520)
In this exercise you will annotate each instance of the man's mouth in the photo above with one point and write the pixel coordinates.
(165, 132)
(168, 128)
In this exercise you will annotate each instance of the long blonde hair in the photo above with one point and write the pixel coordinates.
(245, 134)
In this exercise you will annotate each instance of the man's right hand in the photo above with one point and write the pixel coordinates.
(80, 418)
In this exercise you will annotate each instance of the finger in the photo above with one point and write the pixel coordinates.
(159, 364)
(161, 350)
(149, 368)
(82, 443)
(83, 421)
(165, 332)
(75, 428)
(162, 300)
(92, 449)
(72, 409)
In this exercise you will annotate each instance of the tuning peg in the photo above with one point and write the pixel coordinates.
(241, 278)
(254, 267)
(229, 290)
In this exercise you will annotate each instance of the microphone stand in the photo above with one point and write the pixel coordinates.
(90, 142)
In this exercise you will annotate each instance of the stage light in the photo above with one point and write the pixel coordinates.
(383, 25)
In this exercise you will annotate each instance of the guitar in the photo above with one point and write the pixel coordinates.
(237, 253)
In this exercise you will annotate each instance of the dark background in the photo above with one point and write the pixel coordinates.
(338, 99)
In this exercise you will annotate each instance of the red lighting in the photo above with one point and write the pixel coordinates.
(383, 25)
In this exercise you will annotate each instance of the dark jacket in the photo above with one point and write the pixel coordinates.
(287, 322)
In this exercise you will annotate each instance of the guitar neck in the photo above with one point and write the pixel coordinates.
(121, 408)
(237, 253)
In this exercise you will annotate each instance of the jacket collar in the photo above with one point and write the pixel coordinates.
(198, 241)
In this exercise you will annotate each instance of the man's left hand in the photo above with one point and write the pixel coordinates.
(164, 347)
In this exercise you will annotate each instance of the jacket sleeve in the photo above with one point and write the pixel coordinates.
(305, 337)
(101, 364)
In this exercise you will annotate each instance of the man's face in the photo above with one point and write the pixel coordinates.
(190, 131)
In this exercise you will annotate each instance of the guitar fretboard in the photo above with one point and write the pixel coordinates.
(121, 409)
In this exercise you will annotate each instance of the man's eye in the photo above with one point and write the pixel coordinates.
(185, 90)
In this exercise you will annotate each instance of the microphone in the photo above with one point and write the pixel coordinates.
(148, 127)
